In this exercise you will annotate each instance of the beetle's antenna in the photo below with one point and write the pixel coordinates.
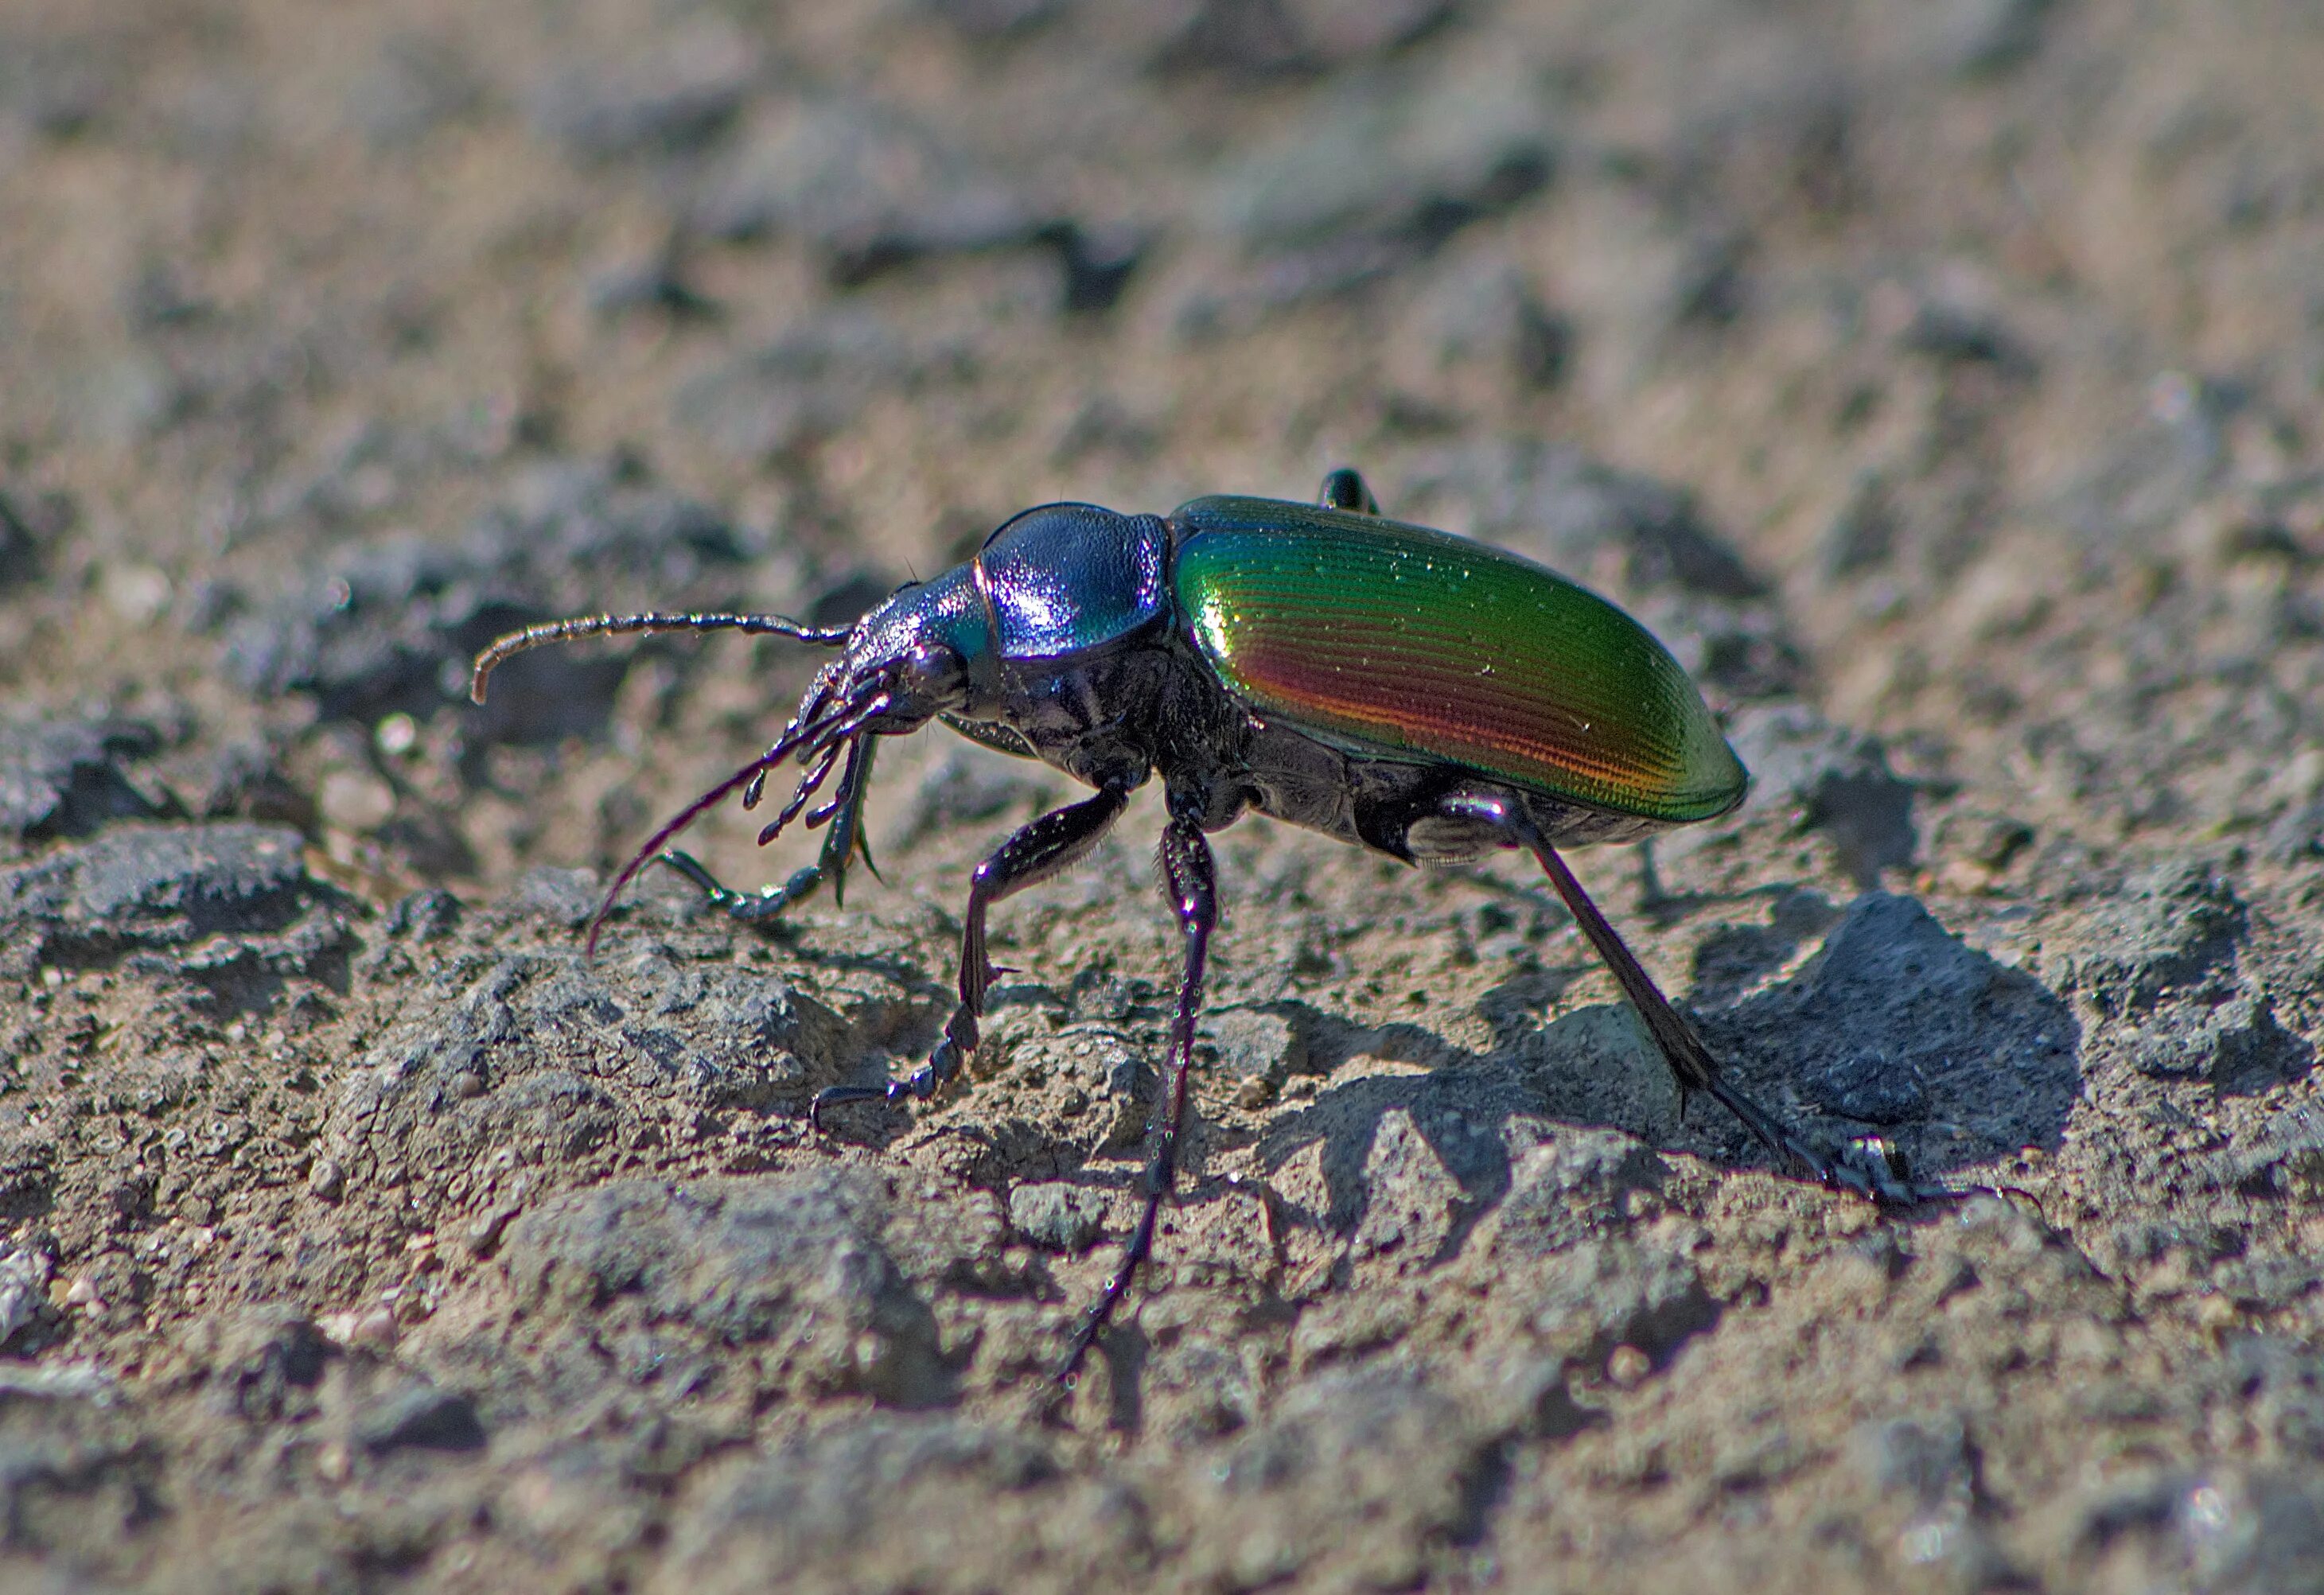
(842, 721)
(614, 625)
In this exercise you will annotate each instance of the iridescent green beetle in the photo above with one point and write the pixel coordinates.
(1396, 687)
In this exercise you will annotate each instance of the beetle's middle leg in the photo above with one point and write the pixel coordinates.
(1346, 489)
(1054, 842)
(1868, 1172)
(1192, 882)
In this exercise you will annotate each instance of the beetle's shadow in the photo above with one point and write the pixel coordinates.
(1894, 1028)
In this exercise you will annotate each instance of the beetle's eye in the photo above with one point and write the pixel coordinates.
(928, 673)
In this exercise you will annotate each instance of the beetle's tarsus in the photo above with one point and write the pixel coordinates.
(751, 907)
(920, 1084)
(1034, 853)
(1870, 1168)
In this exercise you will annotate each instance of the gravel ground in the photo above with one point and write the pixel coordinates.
(1942, 379)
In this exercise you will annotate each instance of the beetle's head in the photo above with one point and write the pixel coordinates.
(910, 660)
(924, 652)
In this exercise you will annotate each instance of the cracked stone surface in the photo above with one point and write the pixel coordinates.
(1942, 380)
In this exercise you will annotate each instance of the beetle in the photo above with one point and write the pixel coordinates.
(1397, 687)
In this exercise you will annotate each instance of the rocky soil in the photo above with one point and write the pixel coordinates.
(1943, 379)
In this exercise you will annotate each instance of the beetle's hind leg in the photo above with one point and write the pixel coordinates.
(1871, 1170)
(1191, 880)
(1345, 489)
(1054, 842)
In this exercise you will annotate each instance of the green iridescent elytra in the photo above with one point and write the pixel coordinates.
(1396, 641)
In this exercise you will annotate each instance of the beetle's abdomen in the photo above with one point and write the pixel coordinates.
(1403, 642)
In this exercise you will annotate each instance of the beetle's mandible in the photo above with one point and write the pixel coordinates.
(1396, 687)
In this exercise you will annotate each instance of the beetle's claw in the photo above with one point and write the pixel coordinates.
(1874, 1168)
(921, 1084)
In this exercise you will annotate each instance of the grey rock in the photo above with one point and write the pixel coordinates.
(127, 397)
(1407, 169)
(1567, 1189)
(657, 282)
(808, 383)
(1128, 1084)
(1487, 310)
(570, 897)
(673, 101)
(1829, 780)
(1349, 1484)
(1863, 536)
(1974, 38)
(416, 84)
(269, 1364)
(1964, 334)
(55, 86)
(2286, 1382)
(145, 887)
(867, 187)
(2251, 1532)
(1339, 32)
(1581, 1302)
(1924, 1460)
(795, 1261)
(64, 778)
(1056, 1216)
(2289, 1161)
(391, 625)
(1260, 42)
(1895, 1017)
(28, 527)
(1254, 1044)
(24, 1273)
(1868, 1088)
(418, 1415)
(986, 1505)
(1591, 521)
(988, 20)
(968, 787)
(2297, 834)
(76, 1474)
(427, 914)
(2237, 1045)
(1247, 39)
(242, 779)
(2173, 933)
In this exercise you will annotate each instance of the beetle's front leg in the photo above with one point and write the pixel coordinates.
(1054, 842)
(1192, 882)
(841, 844)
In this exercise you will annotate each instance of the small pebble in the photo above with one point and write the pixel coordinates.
(396, 735)
(373, 1331)
(1627, 1366)
(356, 801)
(334, 1463)
(326, 1179)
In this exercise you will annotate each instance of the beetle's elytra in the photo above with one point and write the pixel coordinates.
(1396, 687)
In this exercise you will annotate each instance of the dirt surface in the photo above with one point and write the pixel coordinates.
(1943, 379)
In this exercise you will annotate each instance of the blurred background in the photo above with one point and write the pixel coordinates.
(1954, 365)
